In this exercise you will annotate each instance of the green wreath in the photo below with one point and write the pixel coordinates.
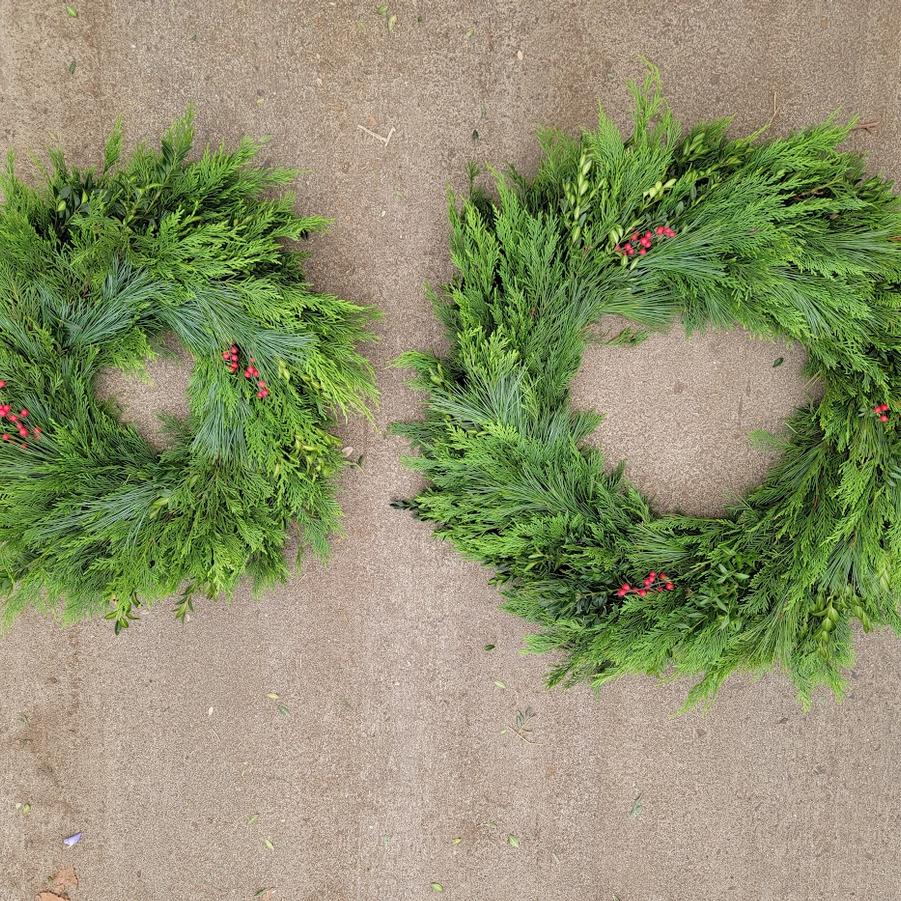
(95, 267)
(786, 237)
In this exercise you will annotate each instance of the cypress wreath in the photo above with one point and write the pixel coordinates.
(95, 266)
(786, 237)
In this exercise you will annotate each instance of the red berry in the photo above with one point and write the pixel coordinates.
(2, 383)
(23, 413)
(652, 575)
(663, 577)
(642, 251)
(660, 230)
(669, 586)
(634, 237)
(641, 592)
(883, 418)
(5, 436)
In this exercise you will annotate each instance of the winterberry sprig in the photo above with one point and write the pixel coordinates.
(641, 243)
(653, 581)
(251, 372)
(231, 355)
(17, 421)
(881, 410)
(231, 358)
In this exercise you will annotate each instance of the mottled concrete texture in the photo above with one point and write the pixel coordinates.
(162, 747)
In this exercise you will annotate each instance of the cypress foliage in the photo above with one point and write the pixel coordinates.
(94, 264)
(785, 237)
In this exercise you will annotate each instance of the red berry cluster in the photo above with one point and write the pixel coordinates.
(230, 355)
(642, 243)
(17, 421)
(250, 371)
(653, 581)
(881, 410)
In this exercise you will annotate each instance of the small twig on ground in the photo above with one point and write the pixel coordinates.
(378, 137)
(522, 735)
(865, 126)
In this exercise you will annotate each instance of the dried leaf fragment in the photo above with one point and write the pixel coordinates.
(64, 879)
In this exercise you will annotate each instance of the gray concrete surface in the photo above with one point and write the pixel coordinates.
(162, 746)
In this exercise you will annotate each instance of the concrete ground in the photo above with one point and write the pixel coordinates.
(391, 764)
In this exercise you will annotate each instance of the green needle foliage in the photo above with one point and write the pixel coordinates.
(93, 266)
(786, 237)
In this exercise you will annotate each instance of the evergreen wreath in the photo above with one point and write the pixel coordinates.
(786, 237)
(95, 266)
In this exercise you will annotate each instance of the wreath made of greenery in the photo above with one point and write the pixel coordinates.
(788, 238)
(95, 266)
